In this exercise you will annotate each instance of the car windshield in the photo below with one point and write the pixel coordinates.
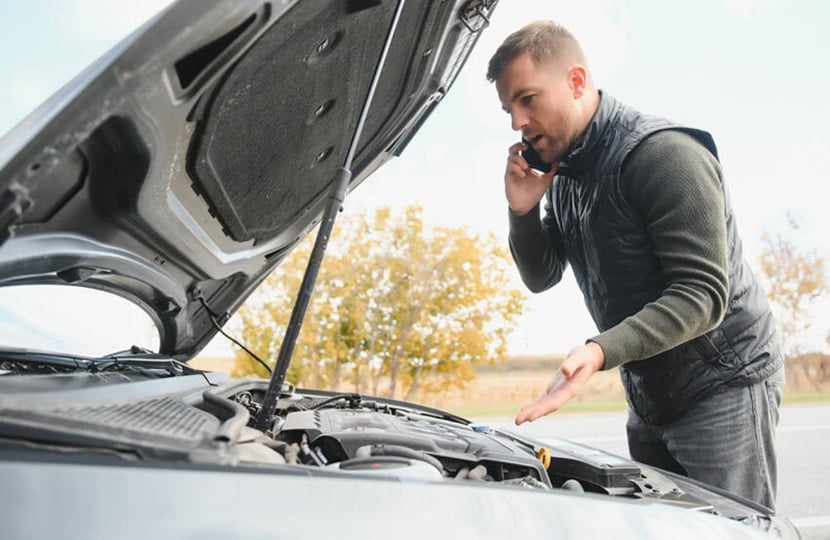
(72, 320)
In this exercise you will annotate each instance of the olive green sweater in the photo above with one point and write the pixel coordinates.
(674, 183)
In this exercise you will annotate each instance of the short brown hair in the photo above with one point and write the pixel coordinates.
(543, 40)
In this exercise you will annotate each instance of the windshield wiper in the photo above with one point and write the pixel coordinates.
(146, 366)
(21, 361)
(337, 195)
(134, 359)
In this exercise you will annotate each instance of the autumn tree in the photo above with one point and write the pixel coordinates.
(399, 308)
(796, 278)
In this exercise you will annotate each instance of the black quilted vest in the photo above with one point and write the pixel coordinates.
(613, 260)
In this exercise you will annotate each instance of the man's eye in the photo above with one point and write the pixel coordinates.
(527, 99)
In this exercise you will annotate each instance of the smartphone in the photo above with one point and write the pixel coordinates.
(533, 159)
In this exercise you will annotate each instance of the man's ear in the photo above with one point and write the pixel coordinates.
(578, 80)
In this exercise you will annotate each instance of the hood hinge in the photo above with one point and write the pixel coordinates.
(474, 15)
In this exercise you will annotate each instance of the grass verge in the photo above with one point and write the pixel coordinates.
(805, 397)
(511, 409)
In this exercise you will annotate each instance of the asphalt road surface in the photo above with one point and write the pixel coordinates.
(803, 455)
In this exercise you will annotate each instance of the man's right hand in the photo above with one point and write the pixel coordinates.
(523, 186)
(582, 362)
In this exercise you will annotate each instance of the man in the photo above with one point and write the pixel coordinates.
(636, 206)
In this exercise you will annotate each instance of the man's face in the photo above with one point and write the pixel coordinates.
(542, 104)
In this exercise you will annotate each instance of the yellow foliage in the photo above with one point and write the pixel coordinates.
(398, 307)
(796, 277)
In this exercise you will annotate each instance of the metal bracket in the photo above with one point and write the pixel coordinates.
(476, 9)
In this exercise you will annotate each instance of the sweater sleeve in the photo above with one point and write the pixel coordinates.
(675, 184)
(537, 249)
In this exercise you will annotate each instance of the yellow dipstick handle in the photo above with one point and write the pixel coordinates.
(543, 454)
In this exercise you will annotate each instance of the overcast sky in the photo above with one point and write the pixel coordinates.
(752, 72)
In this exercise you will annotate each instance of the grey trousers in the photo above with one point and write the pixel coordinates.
(726, 440)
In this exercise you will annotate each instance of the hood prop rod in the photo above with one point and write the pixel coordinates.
(337, 195)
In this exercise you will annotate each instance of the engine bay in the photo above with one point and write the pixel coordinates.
(132, 413)
(368, 436)
(203, 421)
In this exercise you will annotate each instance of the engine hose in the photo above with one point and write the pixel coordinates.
(527, 481)
(479, 472)
(573, 485)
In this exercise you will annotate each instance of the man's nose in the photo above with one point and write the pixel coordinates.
(517, 120)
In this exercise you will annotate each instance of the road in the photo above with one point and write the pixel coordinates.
(803, 440)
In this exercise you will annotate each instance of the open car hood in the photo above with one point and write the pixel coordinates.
(190, 159)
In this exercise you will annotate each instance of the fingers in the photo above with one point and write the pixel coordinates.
(517, 167)
(560, 390)
(516, 148)
(523, 186)
(545, 405)
(576, 369)
(572, 365)
(559, 379)
(529, 413)
(516, 164)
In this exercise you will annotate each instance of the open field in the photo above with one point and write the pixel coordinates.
(497, 393)
(502, 389)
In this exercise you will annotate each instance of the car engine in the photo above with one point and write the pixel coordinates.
(355, 434)
(208, 420)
